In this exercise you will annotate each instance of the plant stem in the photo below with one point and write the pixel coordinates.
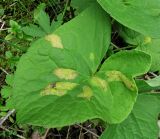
(114, 45)
(45, 135)
(17, 135)
(88, 131)
(123, 48)
(65, 9)
(68, 132)
(3, 119)
(4, 70)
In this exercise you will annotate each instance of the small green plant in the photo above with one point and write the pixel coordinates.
(42, 20)
(19, 37)
(5, 94)
(66, 77)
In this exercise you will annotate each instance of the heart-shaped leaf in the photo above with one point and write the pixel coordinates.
(57, 83)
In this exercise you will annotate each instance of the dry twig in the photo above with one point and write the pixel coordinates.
(88, 131)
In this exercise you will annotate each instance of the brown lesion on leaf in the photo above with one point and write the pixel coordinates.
(58, 89)
(118, 76)
(67, 74)
(87, 93)
(55, 40)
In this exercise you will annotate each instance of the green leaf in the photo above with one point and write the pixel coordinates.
(141, 123)
(58, 23)
(8, 54)
(15, 27)
(144, 87)
(40, 7)
(3, 114)
(1, 10)
(155, 82)
(6, 92)
(143, 43)
(141, 16)
(3, 109)
(131, 37)
(153, 49)
(42, 18)
(64, 60)
(57, 83)
(148, 85)
(121, 76)
(9, 79)
(34, 31)
(9, 37)
(136, 63)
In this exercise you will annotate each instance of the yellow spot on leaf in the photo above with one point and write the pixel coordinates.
(147, 40)
(96, 81)
(58, 89)
(55, 40)
(118, 76)
(67, 74)
(65, 85)
(87, 93)
(50, 90)
(91, 56)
